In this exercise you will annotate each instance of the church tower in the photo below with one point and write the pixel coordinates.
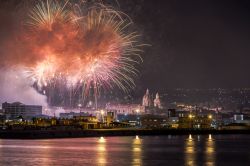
(146, 101)
(157, 101)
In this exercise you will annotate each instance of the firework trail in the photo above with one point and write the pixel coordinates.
(82, 45)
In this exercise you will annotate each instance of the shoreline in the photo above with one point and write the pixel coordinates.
(52, 134)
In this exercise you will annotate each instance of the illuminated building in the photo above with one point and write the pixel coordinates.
(182, 114)
(110, 118)
(13, 110)
(125, 109)
(146, 100)
(197, 122)
(87, 122)
(132, 120)
(84, 122)
(157, 101)
(238, 117)
(71, 115)
(173, 122)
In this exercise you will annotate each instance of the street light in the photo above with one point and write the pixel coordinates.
(191, 121)
(102, 112)
(210, 116)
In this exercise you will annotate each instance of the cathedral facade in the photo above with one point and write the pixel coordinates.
(157, 101)
(147, 100)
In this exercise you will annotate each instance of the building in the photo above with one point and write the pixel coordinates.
(171, 113)
(87, 122)
(157, 101)
(238, 117)
(2, 120)
(132, 120)
(181, 114)
(13, 110)
(154, 121)
(146, 100)
(195, 122)
(125, 109)
(173, 122)
(84, 122)
(236, 126)
(110, 118)
(71, 115)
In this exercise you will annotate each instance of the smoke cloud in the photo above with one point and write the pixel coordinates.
(51, 43)
(13, 88)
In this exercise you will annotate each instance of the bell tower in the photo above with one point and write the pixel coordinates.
(146, 101)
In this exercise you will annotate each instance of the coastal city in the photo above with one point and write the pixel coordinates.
(124, 82)
(151, 113)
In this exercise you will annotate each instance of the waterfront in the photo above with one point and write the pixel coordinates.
(129, 150)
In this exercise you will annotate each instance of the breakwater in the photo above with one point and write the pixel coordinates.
(45, 134)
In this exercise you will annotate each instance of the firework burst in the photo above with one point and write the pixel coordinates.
(86, 45)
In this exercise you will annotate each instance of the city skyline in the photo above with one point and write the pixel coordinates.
(124, 82)
(191, 48)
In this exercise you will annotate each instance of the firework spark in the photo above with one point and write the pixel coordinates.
(86, 45)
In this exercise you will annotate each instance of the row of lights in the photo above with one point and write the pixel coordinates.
(193, 116)
(102, 139)
(137, 111)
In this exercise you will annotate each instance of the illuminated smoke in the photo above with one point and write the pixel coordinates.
(78, 45)
(13, 88)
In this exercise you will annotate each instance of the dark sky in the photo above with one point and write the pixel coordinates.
(195, 44)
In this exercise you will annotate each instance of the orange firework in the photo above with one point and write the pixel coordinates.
(87, 46)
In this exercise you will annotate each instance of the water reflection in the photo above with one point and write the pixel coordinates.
(46, 152)
(147, 150)
(190, 151)
(101, 152)
(210, 151)
(137, 151)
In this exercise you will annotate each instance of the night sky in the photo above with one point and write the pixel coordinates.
(194, 44)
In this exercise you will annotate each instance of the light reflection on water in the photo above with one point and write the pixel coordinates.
(101, 152)
(210, 151)
(190, 150)
(46, 158)
(137, 151)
